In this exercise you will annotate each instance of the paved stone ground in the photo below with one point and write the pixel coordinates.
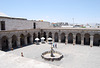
(8, 60)
(76, 56)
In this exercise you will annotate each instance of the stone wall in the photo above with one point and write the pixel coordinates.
(44, 24)
(22, 24)
(17, 24)
(6, 37)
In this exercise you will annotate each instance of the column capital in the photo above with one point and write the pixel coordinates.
(9, 38)
(91, 35)
(66, 34)
(82, 35)
(53, 32)
(74, 33)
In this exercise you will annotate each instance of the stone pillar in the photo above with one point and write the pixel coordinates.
(74, 39)
(0, 44)
(31, 38)
(82, 39)
(66, 39)
(91, 40)
(47, 37)
(59, 38)
(18, 42)
(26, 40)
(0, 25)
(10, 43)
(53, 37)
(36, 35)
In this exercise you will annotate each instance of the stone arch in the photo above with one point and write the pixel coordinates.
(22, 40)
(50, 35)
(56, 37)
(44, 34)
(78, 38)
(70, 38)
(28, 38)
(34, 36)
(96, 40)
(87, 39)
(63, 37)
(14, 41)
(4, 43)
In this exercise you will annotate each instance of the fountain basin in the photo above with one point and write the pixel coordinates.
(57, 56)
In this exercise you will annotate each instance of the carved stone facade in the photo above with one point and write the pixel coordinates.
(19, 32)
(74, 36)
(20, 38)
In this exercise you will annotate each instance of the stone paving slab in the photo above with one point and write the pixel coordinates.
(13, 61)
(76, 56)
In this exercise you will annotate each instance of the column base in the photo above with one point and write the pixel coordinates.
(82, 44)
(73, 43)
(10, 48)
(91, 45)
(18, 46)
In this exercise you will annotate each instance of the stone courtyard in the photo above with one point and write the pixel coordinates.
(76, 56)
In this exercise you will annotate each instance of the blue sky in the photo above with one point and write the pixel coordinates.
(83, 11)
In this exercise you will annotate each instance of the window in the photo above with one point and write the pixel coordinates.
(2, 25)
(34, 25)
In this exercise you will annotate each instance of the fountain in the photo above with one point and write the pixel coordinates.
(52, 52)
(52, 55)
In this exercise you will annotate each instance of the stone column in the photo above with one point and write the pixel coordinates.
(52, 37)
(36, 35)
(74, 39)
(41, 33)
(18, 42)
(26, 40)
(0, 25)
(47, 37)
(66, 39)
(10, 43)
(31, 38)
(59, 38)
(82, 39)
(91, 40)
(0, 44)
